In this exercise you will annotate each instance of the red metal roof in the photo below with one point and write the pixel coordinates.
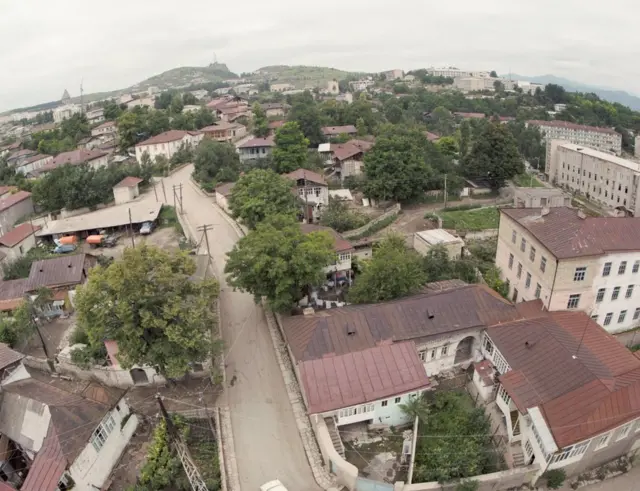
(128, 182)
(166, 137)
(13, 199)
(48, 466)
(567, 235)
(15, 236)
(431, 136)
(258, 142)
(307, 175)
(584, 381)
(336, 382)
(572, 126)
(74, 157)
(8, 356)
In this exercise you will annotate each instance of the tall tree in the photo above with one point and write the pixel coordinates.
(216, 161)
(132, 128)
(204, 117)
(111, 111)
(149, 305)
(395, 167)
(279, 262)
(158, 122)
(260, 122)
(188, 99)
(291, 151)
(442, 121)
(394, 271)
(262, 193)
(304, 111)
(494, 156)
(176, 104)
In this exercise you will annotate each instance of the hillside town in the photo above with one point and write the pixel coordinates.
(394, 281)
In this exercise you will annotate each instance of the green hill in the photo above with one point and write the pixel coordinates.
(182, 76)
(300, 75)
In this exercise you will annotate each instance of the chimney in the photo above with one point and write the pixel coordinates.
(308, 311)
(581, 214)
(351, 330)
(545, 211)
(430, 314)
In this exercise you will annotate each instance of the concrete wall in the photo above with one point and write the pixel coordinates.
(394, 210)
(482, 234)
(92, 468)
(11, 215)
(125, 194)
(431, 351)
(346, 473)
(16, 252)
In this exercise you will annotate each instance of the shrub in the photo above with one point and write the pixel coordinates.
(78, 336)
(555, 478)
(468, 485)
(340, 218)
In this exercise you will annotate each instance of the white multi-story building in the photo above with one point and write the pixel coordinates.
(475, 84)
(603, 139)
(611, 181)
(61, 113)
(361, 85)
(395, 74)
(573, 262)
(167, 143)
(451, 72)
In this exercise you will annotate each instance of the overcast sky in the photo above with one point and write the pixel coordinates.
(48, 46)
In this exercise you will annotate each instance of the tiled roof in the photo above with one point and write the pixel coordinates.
(106, 124)
(166, 137)
(225, 189)
(308, 175)
(35, 158)
(21, 153)
(339, 244)
(7, 189)
(258, 142)
(470, 115)
(335, 382)
(13, 199)
(584, 381)
(338, 130)
(343, 151)
(431, 136)
(220, 126)
(325, 332)
(13, 289)
(128, 182)
(57, 271)
(48, 466)
(15, 236)
(567, 235)
(75, 157)
(8, 356)
(572, 126)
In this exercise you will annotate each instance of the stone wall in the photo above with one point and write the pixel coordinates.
(393, 210)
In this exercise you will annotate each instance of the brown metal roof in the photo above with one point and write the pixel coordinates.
(48, 466)
(8, 356)
(339, 244)
(15, 236)
(74, 157)
(13, 199)
(567, 235)
(13, 289)
(57, 271)
(306, 175)
(128, 182)
(225, 189)
(258, 142)
(582, 378)
(325, 332)
(336, 382)
(338, 130)
(166, 137)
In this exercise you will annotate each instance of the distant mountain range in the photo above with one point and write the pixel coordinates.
(611, 95)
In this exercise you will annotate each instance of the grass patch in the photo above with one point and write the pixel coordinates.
(587, 211)
(527, 181)
(376, 227)
(471, 219)
(169, 218)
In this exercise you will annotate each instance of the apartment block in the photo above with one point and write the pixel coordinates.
(603, 139)
(573, 262)
(611, 181)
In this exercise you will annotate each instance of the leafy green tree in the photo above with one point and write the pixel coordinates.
(291, 151)
(493, 74)
(158, 122)
(260, 122)
(415, 407)
(442, 121)
(393, 111)
(394, 271)
(132, 128)
(494, 156)
(494, 281)
(395, 167)
(21, 266)
(176, 104)
(304, 111)
(465, 138)
(447, 146)
(260, 194)
(339, 217)
(204, 117)
(188, 99)
(150, 306)
(183, 155)
(111, 111)
(279, 262)
(498, 86)
(216, 162)
(183, 121)
(164, 100)
(361, 126)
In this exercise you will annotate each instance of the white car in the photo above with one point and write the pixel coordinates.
(273, 486)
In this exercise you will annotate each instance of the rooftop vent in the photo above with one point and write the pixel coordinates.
(581, 214)
(308, 311)
(430, 314)
(545, 211)
(351, 330)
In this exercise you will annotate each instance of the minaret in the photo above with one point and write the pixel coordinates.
(66, 98)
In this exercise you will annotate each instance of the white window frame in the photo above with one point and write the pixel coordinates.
(102, 432)
(532, 254)
(538, 290)
(602, 441)
(444, 350)
(629, 292)
(574, 301)
(543, 264)
(615, 294)
(606, 269)
(397, 400)
(527, 282)
(569, 452)
(422, 355)
(511, 258)
(580, 273)
(344, 256)
(523, 244)
(385, 403)
(623, 431)
(608, 318)
(600, 294)
(622, 316)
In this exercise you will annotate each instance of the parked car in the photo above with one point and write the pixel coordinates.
(147, 228)
(273, 486)
(110, 241)
(64, 248)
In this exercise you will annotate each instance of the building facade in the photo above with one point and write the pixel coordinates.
(540, 198)
(257, 148)
(167, 143)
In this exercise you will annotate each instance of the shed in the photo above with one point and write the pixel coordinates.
(126, 190)
(425, 240)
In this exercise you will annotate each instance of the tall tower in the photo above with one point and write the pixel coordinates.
(66, 98)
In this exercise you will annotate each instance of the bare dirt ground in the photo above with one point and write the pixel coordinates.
(53, 333)
(165, 238)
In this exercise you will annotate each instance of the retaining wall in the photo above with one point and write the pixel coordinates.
(393, 210)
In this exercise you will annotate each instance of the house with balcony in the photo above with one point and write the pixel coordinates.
(566, 389)
(348, 158)
(256, 148)
(313, 192)
(106, 129)
(93, 158)
(573, 262)
(224, 131)
(331, 132)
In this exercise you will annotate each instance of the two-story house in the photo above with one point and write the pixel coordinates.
(13, 207)
(33, 163)
(93, 158)
(273, 109)
(70, 434)
(313, 192)
(341, 268)
(108, 128)
(256, 148)
(224, 131)
(167, 143)
(18, 241)
(331, 132)
(573, 262)
(566, 388)
(348, 158)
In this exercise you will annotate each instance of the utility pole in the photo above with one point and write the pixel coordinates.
(181, 210)
(155, 191)
(133, 243)
(306, 200)
(204, 229)
(445, 190)
(164, 191)
(190, 469)
(174, 196)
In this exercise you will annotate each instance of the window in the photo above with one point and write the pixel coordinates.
(570, 452)
(422, 355)
(573, 302)
(523, 244)
(538, 290)
(519, 273)
(510, 261)
(623, 314)
(527, 283)
(607, 269)
(580, 273)
(616, 293)
(344, 256)
(101, 433)
(352, 411)
(488, 345)
(602, 441)
(397, 400)
(543, 264)
(21, 249)
(636, 267)
(624, 431)
(532, 254)
(636, 314)
(594, 318)
(385, 403)
(444, 351)
(514, 297)
(623, 267)
(513, 236)
(433, 354)
(607, 318)
(629, 292)
(600, 295)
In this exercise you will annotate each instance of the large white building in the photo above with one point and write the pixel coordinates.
(603, 139)
(167, 143)
(611, 181)
(475, 84)
(451, 72)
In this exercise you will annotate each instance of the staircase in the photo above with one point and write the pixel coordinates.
(517, 455)
(335, 436)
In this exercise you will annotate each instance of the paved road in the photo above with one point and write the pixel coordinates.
(267, 442)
